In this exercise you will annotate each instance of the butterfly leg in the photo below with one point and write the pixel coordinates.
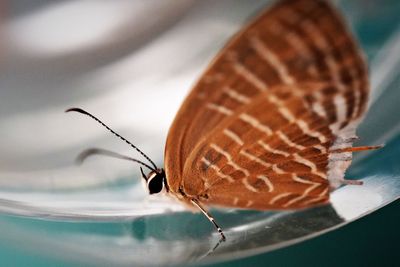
(352, 182)
(356, 149)
(209, 217)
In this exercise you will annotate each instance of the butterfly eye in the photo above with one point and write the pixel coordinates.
(155, 183)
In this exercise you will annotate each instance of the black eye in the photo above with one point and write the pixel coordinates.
(155, 184)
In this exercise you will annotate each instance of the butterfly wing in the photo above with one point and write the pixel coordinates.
(269, 160)
(298, 46)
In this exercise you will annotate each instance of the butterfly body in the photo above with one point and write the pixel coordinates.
(257, 130)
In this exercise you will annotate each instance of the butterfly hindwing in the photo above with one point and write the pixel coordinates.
(254, 158)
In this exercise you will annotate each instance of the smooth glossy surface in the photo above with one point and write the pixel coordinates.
(98, 213)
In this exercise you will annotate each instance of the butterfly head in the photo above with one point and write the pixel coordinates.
(155, 181)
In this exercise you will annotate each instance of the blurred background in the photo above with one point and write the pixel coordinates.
(132, 63)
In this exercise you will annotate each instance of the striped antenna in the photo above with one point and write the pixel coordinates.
(99, 151)
(79, 110)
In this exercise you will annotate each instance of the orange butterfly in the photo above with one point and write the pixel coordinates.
(270, 124)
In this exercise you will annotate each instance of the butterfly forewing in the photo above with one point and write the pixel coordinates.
(260, 122)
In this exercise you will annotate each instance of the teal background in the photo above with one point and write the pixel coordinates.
(370, 241)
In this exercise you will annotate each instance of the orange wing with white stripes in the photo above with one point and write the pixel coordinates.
(258, 129)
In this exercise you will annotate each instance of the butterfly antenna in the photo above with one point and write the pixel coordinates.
(108, 128)
(103, 152)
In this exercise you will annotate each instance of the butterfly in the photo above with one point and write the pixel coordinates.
(271, 122)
